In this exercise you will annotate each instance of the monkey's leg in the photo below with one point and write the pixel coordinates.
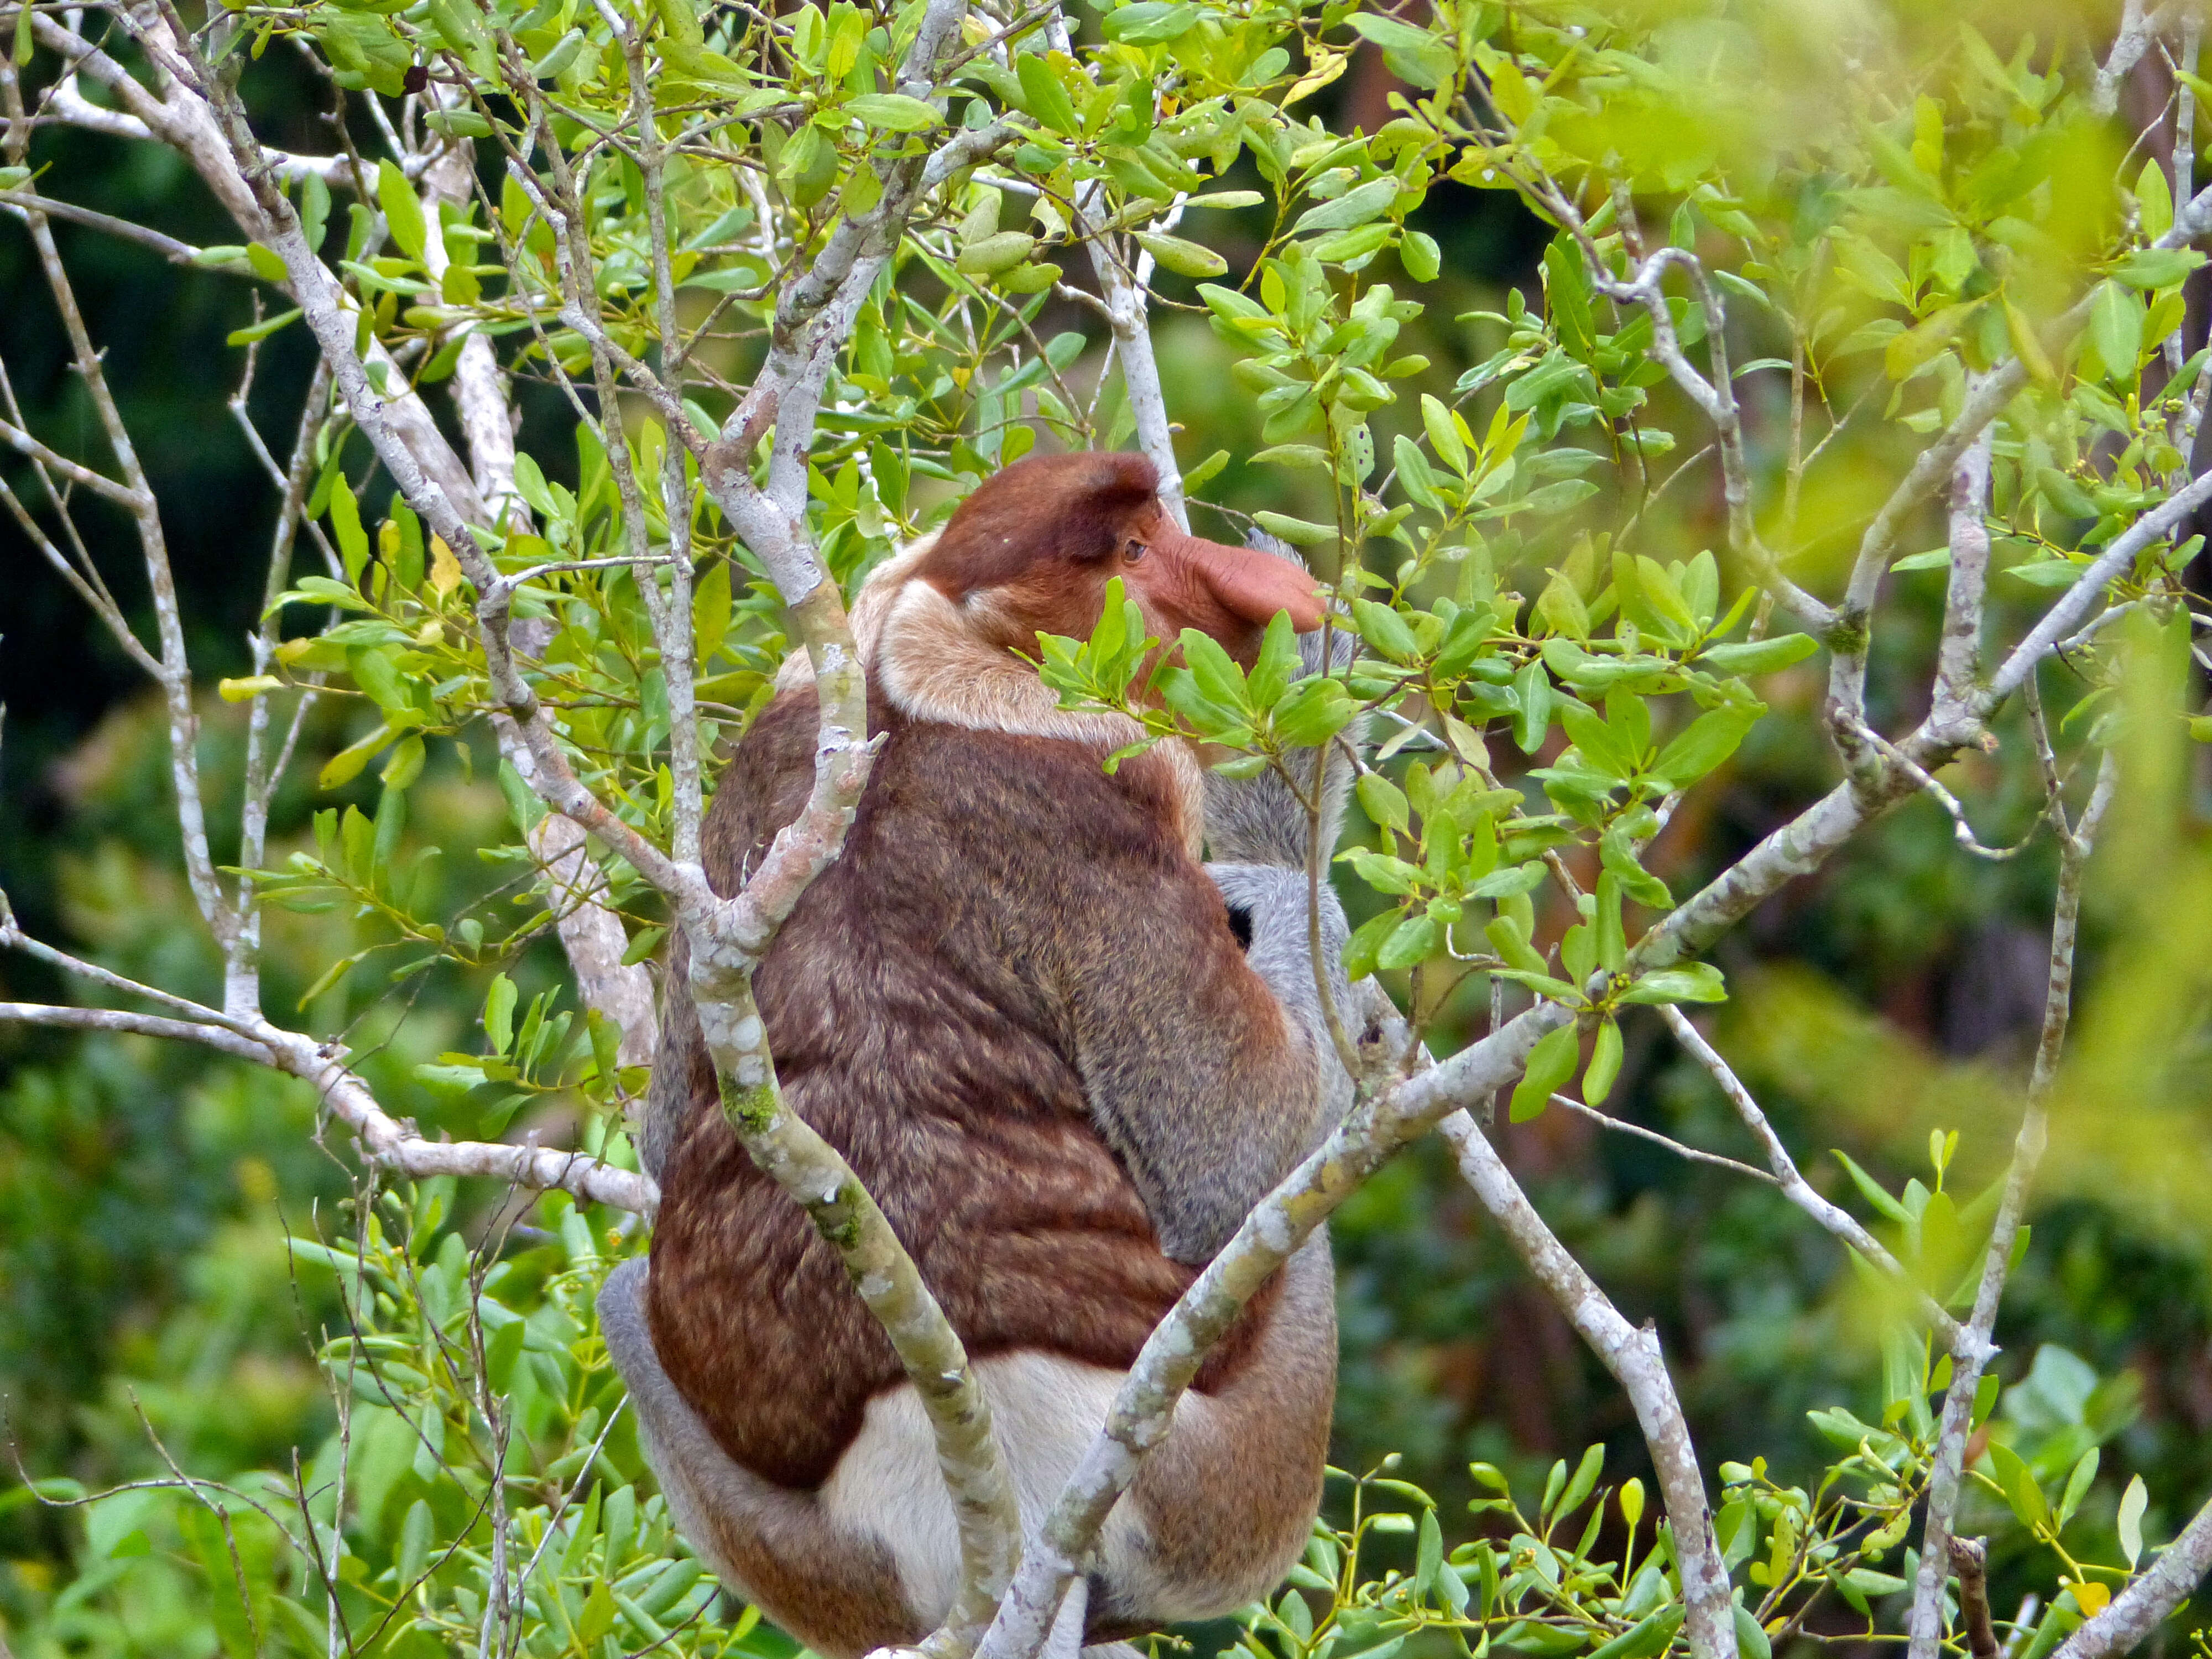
(1220, 1511)
(835, 1588)
(1226, 1504)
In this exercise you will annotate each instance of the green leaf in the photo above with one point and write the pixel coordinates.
(1752, 1641)
(1277, 662)
(268, 265)
(1560, 607)
(1761, 656)
(1429, 1554)
(1936, 558)
(449, 1082)
(2017, 1481)
(2077, 1484)
(1219, 679)
(402, 211)
(1229, 306)
(376, 673)
(710, 610)
(1391, 33)
(405, 764)
(1412, 52)
(1596, 741)
(345, 766)
(2064, 493)
(560, 57)
(1710, 739)
(1001, 251)
(1355, 207)
(2157, 267)
(1583, 1482)
(1150, 22)
(1315, 711)
(1299, 532)
(1550, 1066)
(1420, 255)
(2154, 197)
(1661, 592)
(1383, 627)
(893, 112)
(1872, 1190)
(353, 545)
(466, 123)
(1649, 1636)
(1413, 941)
(2116, 320)
(1915, 346)
(1048, 99)
(1689, 982)
(1183, 258)
(2020, 329)
(1345, 245)
(391, 824)
(598, 1618)
(647, 942)
(1443, 434)
(499, 1013)
(2133, 1502)
(1360, 950)
(1532, 694)
(1384, 801)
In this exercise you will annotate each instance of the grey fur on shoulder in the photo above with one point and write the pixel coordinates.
(1268, 902)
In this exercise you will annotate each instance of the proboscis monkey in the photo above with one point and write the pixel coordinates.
(1065, 1053)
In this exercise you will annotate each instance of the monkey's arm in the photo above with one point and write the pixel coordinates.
(1205, 1065)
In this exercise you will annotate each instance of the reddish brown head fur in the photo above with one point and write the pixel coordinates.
(1042, 539)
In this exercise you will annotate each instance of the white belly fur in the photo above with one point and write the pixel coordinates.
(1046, 1410)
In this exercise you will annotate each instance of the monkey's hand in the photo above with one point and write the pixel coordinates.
(1268, 908)
(1261, 820)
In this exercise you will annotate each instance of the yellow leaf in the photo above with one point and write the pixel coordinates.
(445, 569)
(2091, 1598)
(244, 691)
(1325, 66)
(2024, 341)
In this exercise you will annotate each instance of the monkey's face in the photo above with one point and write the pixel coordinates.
(1035, 547)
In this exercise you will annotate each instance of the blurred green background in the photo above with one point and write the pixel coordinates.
(146, 1191)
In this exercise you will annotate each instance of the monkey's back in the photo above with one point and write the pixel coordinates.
(925, 1003)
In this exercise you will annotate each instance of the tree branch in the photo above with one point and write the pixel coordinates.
(1795, 1186)
(2160, 522)
(383, 1139)
(1971, 1353)
(1632, 1356)
(2140, 1609)
(1958, 663)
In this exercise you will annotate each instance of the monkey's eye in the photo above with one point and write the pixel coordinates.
(1132, 551)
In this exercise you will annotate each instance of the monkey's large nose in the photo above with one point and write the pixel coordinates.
(1254, 585)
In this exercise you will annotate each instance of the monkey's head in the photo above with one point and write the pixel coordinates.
(1034, 546)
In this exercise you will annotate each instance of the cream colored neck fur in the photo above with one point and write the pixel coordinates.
(923, 650)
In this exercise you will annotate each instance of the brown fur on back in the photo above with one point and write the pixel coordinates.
(935, 1005)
